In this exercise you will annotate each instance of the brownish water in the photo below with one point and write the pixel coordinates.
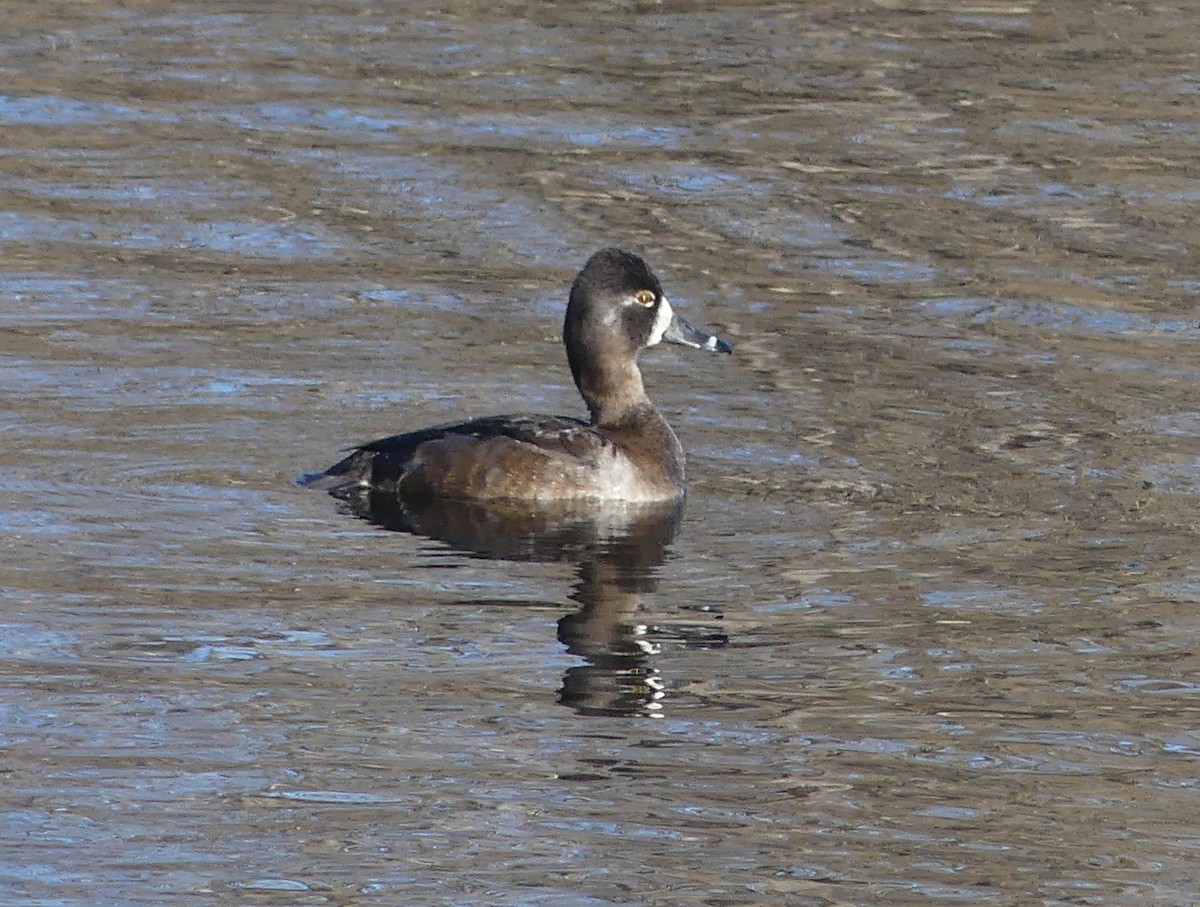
(927, 630)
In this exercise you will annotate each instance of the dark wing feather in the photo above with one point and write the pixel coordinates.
(540, 431)
(383, 462)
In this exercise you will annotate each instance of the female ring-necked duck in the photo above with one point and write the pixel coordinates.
(626, 453)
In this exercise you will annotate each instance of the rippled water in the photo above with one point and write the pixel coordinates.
(926, 631)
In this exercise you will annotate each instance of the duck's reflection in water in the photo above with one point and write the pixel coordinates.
(617, 552)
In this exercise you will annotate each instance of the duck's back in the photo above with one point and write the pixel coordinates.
(516, 457)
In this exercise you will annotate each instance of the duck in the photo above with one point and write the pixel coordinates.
(626, 452)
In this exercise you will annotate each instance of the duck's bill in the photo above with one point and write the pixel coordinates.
(679, 331)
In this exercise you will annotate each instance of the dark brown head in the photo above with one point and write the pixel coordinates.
(617, 309)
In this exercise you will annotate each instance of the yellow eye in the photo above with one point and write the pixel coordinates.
(644, 297)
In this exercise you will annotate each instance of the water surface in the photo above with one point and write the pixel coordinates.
(925, 631)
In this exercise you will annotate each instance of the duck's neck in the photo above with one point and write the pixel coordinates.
(622, 411)
(613, 393)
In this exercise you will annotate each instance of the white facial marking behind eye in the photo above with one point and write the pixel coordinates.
(710, 344)
(662, 321)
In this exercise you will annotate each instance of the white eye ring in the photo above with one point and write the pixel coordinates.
(645, 297)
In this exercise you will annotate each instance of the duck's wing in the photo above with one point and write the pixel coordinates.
(454, 454)
(551, 432)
